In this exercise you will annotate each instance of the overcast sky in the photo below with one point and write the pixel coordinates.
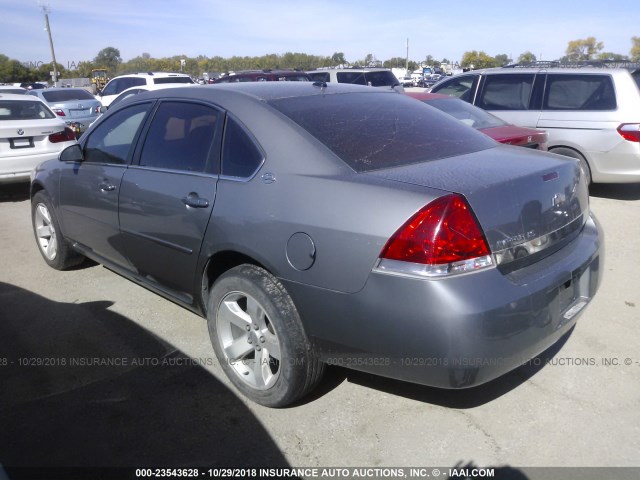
(443, 29)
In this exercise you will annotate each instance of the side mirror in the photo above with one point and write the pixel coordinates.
(72, 153)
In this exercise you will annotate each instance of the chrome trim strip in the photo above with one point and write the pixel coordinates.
(432, 272)
(538, 244)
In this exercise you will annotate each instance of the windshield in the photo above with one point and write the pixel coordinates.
(375, 131)
(19, 110)
(468, 114)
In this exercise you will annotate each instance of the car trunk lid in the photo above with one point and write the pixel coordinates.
(28, 138)
(518, 136)
(528, 204)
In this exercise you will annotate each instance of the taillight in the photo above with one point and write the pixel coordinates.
(65, 135)
(59, 112)
(630, 131)
(443, 238)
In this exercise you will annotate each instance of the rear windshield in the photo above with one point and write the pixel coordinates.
(70, 95)
(375, 131)
(468, 114)
(173, 80)
(21, 110)
(12, 90)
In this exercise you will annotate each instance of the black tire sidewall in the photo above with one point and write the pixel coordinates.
(294, 346)
(65, 255)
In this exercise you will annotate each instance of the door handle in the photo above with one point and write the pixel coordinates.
(194, 201)
(106, 187)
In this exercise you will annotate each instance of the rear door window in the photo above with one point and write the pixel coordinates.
(181, 137)
(506, 92)
(579, 92)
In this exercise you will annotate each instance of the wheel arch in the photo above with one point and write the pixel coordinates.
(573, 152)
(219, 263)
(35, 188)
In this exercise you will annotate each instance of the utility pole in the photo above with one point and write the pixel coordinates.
(406, 64)
(45, 10)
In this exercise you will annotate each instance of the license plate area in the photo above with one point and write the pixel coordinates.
(21, 142)
(567, 293)
(573, 296)
(80, 113)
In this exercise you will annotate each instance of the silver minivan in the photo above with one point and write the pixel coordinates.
(590, 113)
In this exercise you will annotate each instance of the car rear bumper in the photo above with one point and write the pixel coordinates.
(620, 165)
(18, 168)
(456, 332)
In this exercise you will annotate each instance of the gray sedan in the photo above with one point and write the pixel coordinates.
(76, 106)
(316, 223)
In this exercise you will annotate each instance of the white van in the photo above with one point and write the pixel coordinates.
(590, 113)
(371, 76)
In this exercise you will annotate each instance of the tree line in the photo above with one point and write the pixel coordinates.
(109, 58)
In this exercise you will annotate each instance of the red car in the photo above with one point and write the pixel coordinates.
(483, 121)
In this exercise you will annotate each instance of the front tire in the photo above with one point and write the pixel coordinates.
(258, 337)
(55, 249)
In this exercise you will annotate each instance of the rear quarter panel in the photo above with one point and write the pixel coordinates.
(348, 216)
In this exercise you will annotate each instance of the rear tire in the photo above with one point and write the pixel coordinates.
(568, 152)
(258, 337)
(55, 249)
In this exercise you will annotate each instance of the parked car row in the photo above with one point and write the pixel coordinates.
(590, 114)
(483, 121)
(316, 223)
(76, 106)
(267, 75)
(49, 119)
(373, 77)
(30, 133)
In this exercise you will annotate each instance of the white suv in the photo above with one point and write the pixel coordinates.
(118, 84)
(589, 113)
(373, 77)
